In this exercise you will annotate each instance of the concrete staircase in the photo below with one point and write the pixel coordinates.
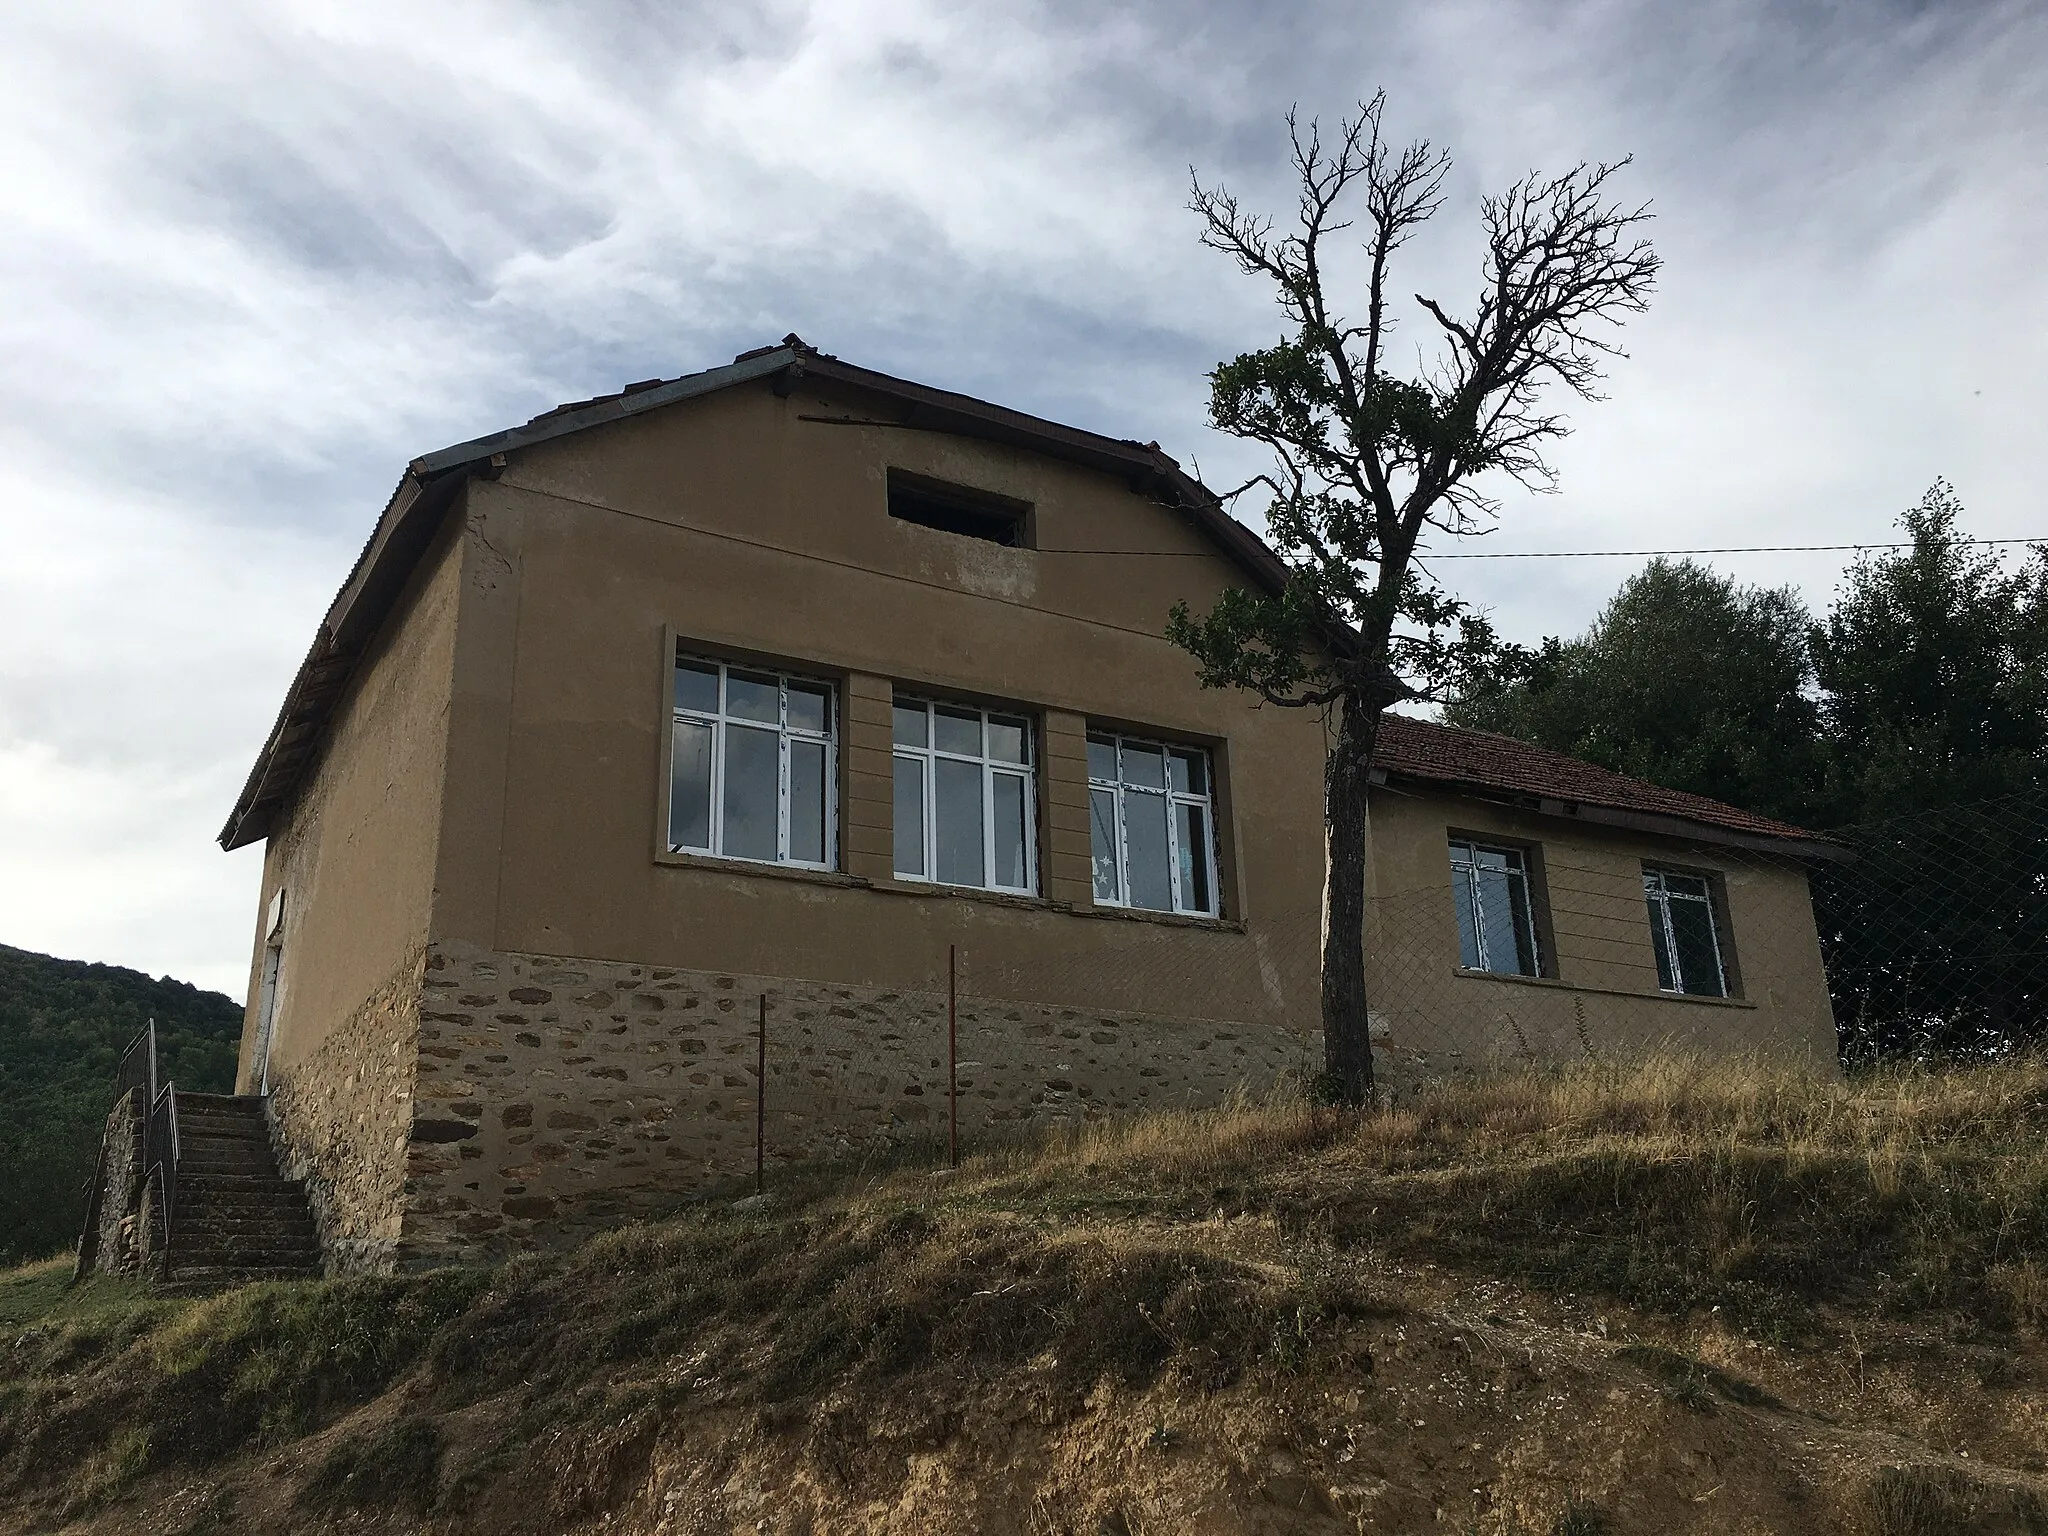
(236, 1218)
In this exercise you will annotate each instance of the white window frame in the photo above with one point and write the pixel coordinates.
(1174, 798)
(1657, 890)
(1466, 870)
(785, 733)
(926, 760)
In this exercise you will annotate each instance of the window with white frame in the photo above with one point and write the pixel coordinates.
(966, 796)
(1152, 825)
(754, 767)
(1496, 922)
(1684, 933)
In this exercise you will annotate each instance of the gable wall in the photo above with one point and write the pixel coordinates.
(738, 526)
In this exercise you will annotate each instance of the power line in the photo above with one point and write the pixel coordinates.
(1570, 554)
(1726, 549)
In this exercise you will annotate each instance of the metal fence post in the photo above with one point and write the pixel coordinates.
(953, 1054)
(761, 1100)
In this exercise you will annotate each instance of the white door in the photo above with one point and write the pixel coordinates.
(266, 1013)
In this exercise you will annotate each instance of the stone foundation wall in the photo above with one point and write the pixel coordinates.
(556, 1096)
(341, 1116)
(108, 1245)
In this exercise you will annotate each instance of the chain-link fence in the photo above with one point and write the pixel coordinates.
(1936, 935)
(1484, 953)
(1488, 953)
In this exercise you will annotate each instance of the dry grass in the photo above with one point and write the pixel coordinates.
(1196, 1253)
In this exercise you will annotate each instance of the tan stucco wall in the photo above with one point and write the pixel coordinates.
(527, 670)
(354, 856)
(739, 527)
(1600, 996)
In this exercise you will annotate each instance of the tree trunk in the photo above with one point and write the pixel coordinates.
(1347, 1032)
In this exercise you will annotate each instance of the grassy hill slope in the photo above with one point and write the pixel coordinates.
(63, 1026)
(1658, 1301)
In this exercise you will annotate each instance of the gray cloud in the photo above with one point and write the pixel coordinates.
(260, 256)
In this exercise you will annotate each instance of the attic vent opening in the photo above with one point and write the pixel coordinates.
(959, 509)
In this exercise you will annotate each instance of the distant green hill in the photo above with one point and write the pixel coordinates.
(63, 1026)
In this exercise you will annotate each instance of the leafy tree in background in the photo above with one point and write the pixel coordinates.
(1686, 679)
(63, 1026)
(1931, 665)
(1914, 718)
(1367, 457)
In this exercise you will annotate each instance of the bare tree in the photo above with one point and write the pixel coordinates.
(1367, 459)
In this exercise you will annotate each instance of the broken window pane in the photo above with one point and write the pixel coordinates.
(1103, 842)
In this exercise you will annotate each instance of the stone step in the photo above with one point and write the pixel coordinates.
(289, 1261)
(223, 1130)
(205, 1107)
(236, 1244)
(193, 1126)
(238, 1219)
(219, 1167)
(190, 1151)
(223, 1146)
(193, 1154)
(242, 1207)
(187, 1241)
(295, 1229)
(191, 1280)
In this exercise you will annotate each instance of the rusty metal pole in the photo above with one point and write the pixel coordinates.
(761, 1100)
(953, 1053)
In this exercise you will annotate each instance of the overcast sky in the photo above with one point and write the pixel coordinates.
(257, 257)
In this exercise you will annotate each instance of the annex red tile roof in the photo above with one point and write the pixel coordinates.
(1445, 754)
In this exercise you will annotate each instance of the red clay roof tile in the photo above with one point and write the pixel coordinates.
(1444, 754)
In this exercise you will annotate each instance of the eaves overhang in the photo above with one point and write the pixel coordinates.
(1584, 812)
(403, 531)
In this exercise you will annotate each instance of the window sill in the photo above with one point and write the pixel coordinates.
(1568, 986)
(754, 867)
(1163, 919)
(932, 888)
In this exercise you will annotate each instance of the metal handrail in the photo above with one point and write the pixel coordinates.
(160, 1143)
(138, 1066)
(162, 1155)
